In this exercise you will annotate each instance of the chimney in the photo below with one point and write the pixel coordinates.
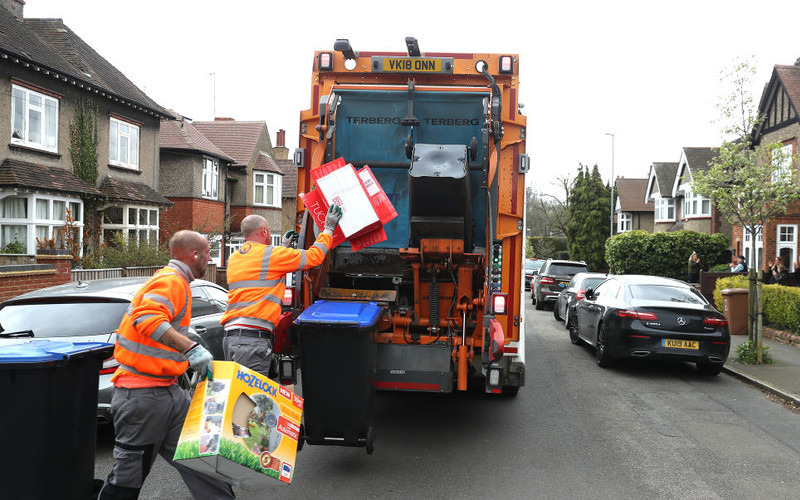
(280, 151)
(15, 7)
(223, 119)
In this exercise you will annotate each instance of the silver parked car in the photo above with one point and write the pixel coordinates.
(90, 311)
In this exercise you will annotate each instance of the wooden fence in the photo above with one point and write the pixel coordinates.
(127, 272)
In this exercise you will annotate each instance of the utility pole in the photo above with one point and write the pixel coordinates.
(214, 107)
(611, 216)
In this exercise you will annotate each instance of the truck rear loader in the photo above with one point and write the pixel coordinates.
(444, 137)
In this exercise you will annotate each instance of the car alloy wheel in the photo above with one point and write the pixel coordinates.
(601, 351)
(572, 326)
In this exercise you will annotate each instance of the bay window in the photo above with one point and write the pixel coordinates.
(135, 224)
(32, 217)
(695, 205)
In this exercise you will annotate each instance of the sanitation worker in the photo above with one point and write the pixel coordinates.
(256, 283)
(148, 406)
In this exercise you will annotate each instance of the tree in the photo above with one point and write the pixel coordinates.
(749, 181)
(547, 213)
(83, 143)
(589, 213)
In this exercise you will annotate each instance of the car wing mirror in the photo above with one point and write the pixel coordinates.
(589, 295)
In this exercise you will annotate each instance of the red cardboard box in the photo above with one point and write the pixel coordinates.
(339, 184)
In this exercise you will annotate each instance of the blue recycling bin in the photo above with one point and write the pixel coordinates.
(49, 419)
(338, 362)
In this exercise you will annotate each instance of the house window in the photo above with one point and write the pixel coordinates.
(135, 224)
(233, 245)
(210, 178)
(624, 220)
(215, 248)
(695, 205)
(276, 240)
(748, 243)
(786, 244)
(34, 119)
(39, 216)
(665, 209)
(267, 189)
(123, 144)
(782, 164)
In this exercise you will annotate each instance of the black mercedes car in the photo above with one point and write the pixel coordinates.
(633, 316)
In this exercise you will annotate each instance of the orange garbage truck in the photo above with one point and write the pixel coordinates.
(444, 137)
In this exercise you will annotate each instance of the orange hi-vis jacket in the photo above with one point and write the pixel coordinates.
(164, 300)
(257, 280)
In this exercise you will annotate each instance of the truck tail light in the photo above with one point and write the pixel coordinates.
(499, 301)
(506, 64)
(288, 296)
(325, 61)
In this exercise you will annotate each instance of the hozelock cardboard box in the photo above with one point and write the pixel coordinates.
(242, 428)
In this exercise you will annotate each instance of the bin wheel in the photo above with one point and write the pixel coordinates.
(301, 440)
(370, 440)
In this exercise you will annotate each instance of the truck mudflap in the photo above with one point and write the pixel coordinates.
(414, 367)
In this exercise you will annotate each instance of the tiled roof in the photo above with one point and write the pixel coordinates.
(119, 190)
(265, 162)
(665, 175)
(33, 176)
(631, 195)
(237, 139)
(52, 46)
(289, 178)
(699, 158)
(790, 76)
(182, 135)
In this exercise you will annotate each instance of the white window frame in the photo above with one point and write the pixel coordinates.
(146, 232)
(48, 135)
(215, 245)
(746, 243)
(133, 139)
(276, 240)
(786, 238)
(695, 205)
(210, 178)
(49, 222)
(782, 170)
(624, 222)
(265, 181)
(233, 244)
(662, 207)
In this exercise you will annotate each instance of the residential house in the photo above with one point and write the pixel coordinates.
(193, 176)
(697, 213)
(255, 180)
(660, 182)
(779, 104)
(633, 213)
(47, 74)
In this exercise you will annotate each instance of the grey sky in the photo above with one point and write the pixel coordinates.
(647, 72)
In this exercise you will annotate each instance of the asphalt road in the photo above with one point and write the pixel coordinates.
(574, 431)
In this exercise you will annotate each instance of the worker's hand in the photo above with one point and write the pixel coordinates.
(333, 217)
(288, 238)
(201, 361)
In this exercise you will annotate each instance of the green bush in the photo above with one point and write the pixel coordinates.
(781, 305)
(748, 354)
(664, 254)
(120, 253)
(15, 246)
(546, 247)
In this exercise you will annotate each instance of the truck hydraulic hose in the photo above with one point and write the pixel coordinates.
(433, 295)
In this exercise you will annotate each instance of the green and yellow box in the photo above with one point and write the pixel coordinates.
(242, 428)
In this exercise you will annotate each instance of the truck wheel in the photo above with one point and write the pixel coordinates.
(510, 391)
(370, 441)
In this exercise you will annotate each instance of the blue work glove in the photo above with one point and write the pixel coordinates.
(288, 238)
(333, 217)
(201, 361)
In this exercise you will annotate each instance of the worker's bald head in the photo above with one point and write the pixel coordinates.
(253, 227)
(184, 243)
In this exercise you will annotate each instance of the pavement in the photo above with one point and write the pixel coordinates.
(781, 378)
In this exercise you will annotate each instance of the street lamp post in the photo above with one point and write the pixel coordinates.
(611, 216)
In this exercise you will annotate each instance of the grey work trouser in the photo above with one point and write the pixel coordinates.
(148, 421)
(254, 353)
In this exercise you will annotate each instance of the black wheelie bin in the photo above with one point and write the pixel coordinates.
(338, 363)
(48, 423)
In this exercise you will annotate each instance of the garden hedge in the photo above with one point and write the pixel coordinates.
(781, 303)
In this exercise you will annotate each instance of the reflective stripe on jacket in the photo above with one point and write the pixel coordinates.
(165, 300)
(256, 280)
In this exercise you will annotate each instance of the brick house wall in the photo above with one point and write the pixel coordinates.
(16, 280)
(204, 216)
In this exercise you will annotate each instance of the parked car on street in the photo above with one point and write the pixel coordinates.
(90, 311)
(532, 267)
(634, 316)
(564, 307)
(552, 278)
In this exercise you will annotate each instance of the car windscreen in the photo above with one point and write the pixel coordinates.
(566, 269)
(63, 319)
(665, 293)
